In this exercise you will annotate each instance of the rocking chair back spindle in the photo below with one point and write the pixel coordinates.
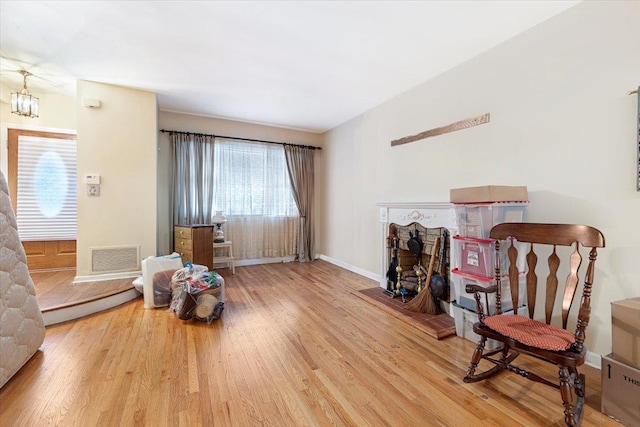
(532, 335)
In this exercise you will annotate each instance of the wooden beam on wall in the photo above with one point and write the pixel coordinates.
(462, 124)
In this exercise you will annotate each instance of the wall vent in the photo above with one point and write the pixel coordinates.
(114, 259)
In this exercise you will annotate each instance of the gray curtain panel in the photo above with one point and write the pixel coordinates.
(191, 175)
(300, 168)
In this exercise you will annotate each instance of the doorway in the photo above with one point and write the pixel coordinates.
(42, 186)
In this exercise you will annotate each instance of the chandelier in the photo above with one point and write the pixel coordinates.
(23, 103)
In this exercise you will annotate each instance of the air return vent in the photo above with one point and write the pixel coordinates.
(115, 258)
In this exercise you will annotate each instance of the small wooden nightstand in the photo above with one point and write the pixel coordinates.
(193, 243)
(224, 259)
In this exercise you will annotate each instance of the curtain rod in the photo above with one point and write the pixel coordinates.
(311, 147)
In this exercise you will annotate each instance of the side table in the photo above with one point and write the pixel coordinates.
(228, 259)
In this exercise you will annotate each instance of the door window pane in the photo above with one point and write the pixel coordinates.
(47, 192)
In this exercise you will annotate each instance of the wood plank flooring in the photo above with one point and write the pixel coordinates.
(294, 347)
(55, 288)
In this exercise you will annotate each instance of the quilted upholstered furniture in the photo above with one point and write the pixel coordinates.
(21, 323)
(547, 337)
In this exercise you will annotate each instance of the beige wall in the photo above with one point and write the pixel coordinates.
(561, 124)
(57, 113)
(200, 124)
(119, 142)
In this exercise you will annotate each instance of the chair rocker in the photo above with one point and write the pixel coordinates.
(523, 334)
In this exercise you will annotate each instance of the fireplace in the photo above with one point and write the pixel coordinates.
(406, 219)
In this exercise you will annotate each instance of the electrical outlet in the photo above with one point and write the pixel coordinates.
(93, 190)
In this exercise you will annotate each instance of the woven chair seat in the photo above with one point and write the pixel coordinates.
(531, 332)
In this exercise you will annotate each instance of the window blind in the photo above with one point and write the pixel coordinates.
(46, 199)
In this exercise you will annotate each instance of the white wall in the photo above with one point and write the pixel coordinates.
(561, 124)
(209, 125)
(119, 142)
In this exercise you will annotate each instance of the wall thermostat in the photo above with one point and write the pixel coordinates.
(92, 178)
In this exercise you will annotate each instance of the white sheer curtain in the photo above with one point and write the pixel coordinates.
(252, 189)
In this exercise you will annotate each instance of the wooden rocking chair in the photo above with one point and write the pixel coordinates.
(522, 334)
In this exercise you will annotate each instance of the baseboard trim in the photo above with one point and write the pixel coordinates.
(134, 274)
(594, 360)
(107, 276)
(352, 268)
(275, 260)
(64, 314)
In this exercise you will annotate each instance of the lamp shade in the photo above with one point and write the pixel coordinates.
(218, 218)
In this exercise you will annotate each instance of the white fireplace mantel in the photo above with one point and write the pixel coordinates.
(427, 214)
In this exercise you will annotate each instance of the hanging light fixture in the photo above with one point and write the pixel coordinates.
(23, 103)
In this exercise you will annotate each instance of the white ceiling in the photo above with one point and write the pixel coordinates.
(309, 65)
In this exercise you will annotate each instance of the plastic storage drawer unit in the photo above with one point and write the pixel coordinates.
(474, 256)
(461, 280)
(476, 220)
(464, 320)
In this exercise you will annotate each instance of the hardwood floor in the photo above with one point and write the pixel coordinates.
(294, 347)
(55, 288)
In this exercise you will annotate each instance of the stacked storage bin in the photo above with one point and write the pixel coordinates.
(474, 260)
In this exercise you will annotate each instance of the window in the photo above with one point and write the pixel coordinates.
(252, 179)
(248, 182)
(46, 195)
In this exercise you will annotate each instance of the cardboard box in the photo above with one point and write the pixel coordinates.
(625, 331)
(620, 391)
(488, 194)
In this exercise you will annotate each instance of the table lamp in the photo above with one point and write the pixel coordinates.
(219, 219)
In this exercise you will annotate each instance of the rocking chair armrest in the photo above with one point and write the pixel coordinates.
(476, 290)
(471, 289)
